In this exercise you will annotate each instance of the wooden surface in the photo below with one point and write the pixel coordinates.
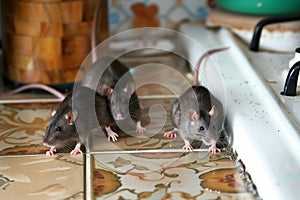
(45, 41)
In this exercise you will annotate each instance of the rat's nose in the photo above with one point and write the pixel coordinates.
(119, 115)
(46, 144)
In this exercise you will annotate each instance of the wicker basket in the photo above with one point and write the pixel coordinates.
(45, 41)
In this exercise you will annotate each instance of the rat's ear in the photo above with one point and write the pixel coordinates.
(194, 116)
(52, 112)
(213, 112)
(71, 116)
(130, 87)
(106, 90)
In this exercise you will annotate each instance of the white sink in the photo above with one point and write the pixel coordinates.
(265, 134)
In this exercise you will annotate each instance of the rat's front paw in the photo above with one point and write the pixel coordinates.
(111, 135)
(139, 128)
(171, 134)
(76, 150)
(187, 148)
(214, 150)
(51, 152)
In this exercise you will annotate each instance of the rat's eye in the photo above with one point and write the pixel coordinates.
(58, 129)
(112, 103)
(201, 128)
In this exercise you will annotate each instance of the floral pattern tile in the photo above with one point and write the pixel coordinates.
(134, 167)
(156, 119)
(42, 177)
(22, 128)
(167, 175)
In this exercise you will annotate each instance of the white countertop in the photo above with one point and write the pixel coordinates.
(263, 136)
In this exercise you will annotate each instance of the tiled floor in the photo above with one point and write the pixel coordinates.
(149, 167)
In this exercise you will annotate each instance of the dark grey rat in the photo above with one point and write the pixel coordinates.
(76, 115)
(197, 114)
(114, 99)
(111, 78)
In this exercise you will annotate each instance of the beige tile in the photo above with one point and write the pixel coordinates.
(22, 128)
(167, 175)
(41, 177)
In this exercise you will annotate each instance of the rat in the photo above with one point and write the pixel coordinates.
(117, 84)
(115, 100)
(75, 108)
(197, 114)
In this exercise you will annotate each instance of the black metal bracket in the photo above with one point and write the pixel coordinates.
(290, 86)
(254, 45)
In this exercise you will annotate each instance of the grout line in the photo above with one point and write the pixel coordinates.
(163, 96)
(88, 177)
(145, 151)
(54, 100)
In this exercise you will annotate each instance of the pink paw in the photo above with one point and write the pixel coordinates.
(76, 150)
(171, 134)
(214, 150)
(111, 135)
(187, 148)
(51, 152)
(139, 128)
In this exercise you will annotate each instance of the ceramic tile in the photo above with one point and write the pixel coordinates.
(124, 15)
(135, 167)
(156, 119)
(42, 177)
(22, 127)
(168, 74)
(166, 175)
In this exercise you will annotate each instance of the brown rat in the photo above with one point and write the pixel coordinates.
(197, 114)
(75, 115)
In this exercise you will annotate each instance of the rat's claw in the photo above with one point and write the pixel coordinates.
(76, 150)
(139, 128)
(113, 137)
(187, 148)
(171, 134)
(111, 134)
(51, 152)
(214, 150)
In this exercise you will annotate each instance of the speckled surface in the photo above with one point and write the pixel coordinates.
(264, 133)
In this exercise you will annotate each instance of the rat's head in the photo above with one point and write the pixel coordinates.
(120, 100)
(200, 125)
(61, 130)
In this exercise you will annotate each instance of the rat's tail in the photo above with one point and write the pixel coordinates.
(206, 54)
